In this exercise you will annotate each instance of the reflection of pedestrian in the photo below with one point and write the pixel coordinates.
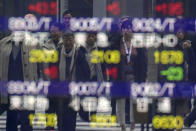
(127, 74)
(96, 73)
(72, 62)
(180, 106)
(54, 43)
(185, 46)
(66, 115)
(67, 15)
(95, 70)
(15, 66)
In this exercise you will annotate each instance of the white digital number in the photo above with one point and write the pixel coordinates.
(89, 88)
(32, 24)
(148, 40)
(151, 25)
(152, 89)
(90, 24)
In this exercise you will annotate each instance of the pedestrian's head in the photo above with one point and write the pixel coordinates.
(91, 38)
(68, 39)
(181, 28)
(123, 19)
(31, 19)
(67, 15)
(56, 31)
(180, 34)
(126, 30)
(30, 16)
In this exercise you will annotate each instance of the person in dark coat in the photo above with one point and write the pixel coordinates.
(190, 63)
(72, 67)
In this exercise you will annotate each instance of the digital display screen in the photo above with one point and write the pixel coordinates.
(118, 68)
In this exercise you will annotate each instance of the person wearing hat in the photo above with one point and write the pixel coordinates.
(128, 53)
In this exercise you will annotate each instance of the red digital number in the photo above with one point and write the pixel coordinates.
(44, 8)
(114, 8)
(171, 8)
(52, 72)
(112, 72)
